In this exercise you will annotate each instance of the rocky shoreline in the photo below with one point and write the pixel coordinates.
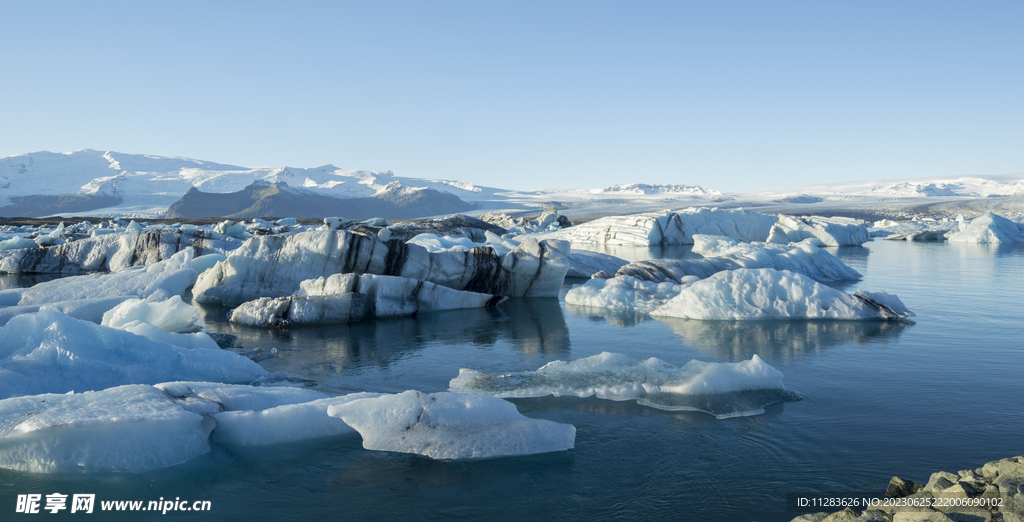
(991, 493)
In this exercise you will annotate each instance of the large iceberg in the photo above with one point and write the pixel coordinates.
(274, 266)
(834, 231)
(115, 252)
(49, 352)
(758, 294)
(123, 429)
(669, 228)
(723, 253)
(990, 228)
(346, 298)
(451, 426)
(721, 389)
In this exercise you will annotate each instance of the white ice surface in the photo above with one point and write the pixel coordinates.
(451, 426)
(669, 228)
(625, 293)
(617, 377)
(284, 423)
(990, 228)
(123, 429)
(157, 281)
(85, 309)
(758, 294)
(49, 352)
(169, 315)
(835, 231)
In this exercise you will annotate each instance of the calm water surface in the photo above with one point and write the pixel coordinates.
(879, 400)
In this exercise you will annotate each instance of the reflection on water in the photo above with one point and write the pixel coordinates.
(614, 317)
(779, 340)
(24, 280)
(530, 325)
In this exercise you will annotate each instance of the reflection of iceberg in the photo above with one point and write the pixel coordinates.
(530, 325)
(780, 340)
(721, 389)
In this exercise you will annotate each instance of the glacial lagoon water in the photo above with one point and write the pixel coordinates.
(878, 399)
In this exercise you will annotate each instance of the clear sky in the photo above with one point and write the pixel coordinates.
(730, 95)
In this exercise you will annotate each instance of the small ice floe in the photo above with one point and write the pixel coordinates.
(721, 389)
(747, 295)
(347, 298)
(50, 352)
(451, 426)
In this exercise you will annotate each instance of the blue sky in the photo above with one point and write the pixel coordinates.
(730, 95)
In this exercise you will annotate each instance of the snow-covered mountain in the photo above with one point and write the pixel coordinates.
(148, 185)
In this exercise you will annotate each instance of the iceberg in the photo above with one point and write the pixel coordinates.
(169, 315)
(725, 253)
(584, 263)
(757, 294)
(990, 228)
(124, 429)
(274, 266)
(834, 231)
(50, 352)
(157, 281)
(115, 252)
(451, 426)
(347, 298)
(626, 293)
(721, 389)
(669, 228)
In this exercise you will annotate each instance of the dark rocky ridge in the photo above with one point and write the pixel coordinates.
(39, 206)
(261, 200)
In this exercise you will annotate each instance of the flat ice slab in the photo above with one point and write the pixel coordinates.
(124, 429)
(721, 389)
(749, 295)
(451, 426)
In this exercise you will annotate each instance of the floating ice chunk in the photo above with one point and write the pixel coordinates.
(756, 294)
(17, 242)
(158, 281)
(451, 426)
(584, 263)
(834, 231)
(651, 382)
(231, 229)
(669, 228)
(114, 252)
(625, 293)
(124, 429)
(170, 315)
(345, 298)
(133, 227)
(919, 231)
(436, 243)
(285, 423)
(274, 266)
(990, 228)
(49, 352)
(726, 253)
(91, 310)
